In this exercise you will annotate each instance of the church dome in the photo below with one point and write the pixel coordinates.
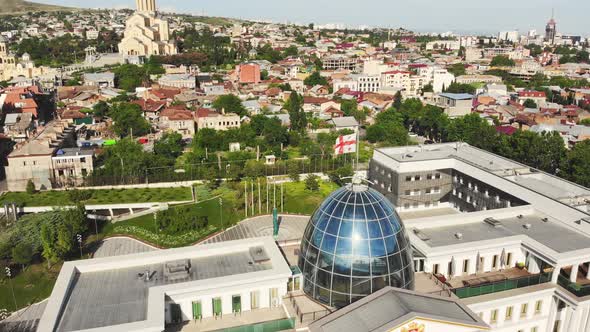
(354, 245)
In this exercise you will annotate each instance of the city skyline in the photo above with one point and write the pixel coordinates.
(424, 15)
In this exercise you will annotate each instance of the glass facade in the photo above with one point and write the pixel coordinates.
(354, 245)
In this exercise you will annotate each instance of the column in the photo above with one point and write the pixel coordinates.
(574, 273)
(555, 274)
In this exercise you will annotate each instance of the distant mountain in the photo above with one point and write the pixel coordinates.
(21, 6)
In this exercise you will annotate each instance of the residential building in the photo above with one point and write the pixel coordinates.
(100, 80)
(248, 73)
(339, 62)
(178, 120)
(180, 81)
(454, 104)
(18, 126)
(32, 160)
(72, 165)
(207, 118)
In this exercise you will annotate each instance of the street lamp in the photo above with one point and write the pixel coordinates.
(95, 223)
(221, 212)
(79, 237)
(9, 275)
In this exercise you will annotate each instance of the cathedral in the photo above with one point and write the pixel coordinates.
(12, 66)
(146, 34)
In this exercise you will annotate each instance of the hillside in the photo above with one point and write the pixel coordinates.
(20, 6)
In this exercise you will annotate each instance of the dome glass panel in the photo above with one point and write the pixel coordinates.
(354, 245)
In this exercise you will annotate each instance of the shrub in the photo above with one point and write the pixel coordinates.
(312, 183)
(31, 187)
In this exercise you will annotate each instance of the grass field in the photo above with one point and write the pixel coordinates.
(56, 198)
(297, 200)
(30, 286)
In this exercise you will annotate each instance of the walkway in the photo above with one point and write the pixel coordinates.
(290, 229)
(118, 246)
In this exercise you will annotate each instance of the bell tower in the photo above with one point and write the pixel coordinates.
(148, 6)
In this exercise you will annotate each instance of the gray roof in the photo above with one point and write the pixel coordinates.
(457, 96)
(392, 307)
(119, 296)
(347, 121)
(120, 246)
(99, 77)
(541, 231)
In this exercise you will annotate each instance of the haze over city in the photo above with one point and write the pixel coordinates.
(422, 15)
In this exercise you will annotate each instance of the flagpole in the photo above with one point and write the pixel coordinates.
(358, 146)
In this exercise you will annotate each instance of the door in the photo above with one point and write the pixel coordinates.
(197, 310)
(254, 300)
(236, 303)
(176, 313)
(274, 297)
(217, 306)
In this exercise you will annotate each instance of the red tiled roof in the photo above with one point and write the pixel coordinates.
(149, 105)
(174, 114)
(506, 130)
(315, 100)
(534, 94)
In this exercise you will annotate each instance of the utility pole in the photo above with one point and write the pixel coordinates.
(259, 201)
(9, 275)
(246, 199)
(252, 187)
(95, 223)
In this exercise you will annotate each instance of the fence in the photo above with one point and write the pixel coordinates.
(572, 287)
(502, 285)
(270, 326)
(307, 316)
(222, 169)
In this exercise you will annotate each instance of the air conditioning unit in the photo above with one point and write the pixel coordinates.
(459, 235)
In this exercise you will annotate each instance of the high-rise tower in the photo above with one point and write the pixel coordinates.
(551, 30)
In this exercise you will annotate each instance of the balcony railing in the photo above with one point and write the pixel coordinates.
(572, 287)
(270, 326)
(503, 285)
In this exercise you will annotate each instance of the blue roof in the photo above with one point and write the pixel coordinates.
(457, 96)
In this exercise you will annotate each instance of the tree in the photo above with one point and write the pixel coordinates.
(457, 69)
(315, 79)
(529, 103)
(585, 122)
(397, 100)
(129, 77)
(312, 182)
(30, 187)
(428, 88)
(100, 109)
(575, 167)
(230, 104)
(128, 119)
(274, 133)
(338, 174)
(297, 116)
(22, 253)
(349, 106)
(460, 88)
(169, 146)
(502, 61)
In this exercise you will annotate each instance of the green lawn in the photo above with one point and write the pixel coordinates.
(30, 286)
(56, 198)
(297, 200)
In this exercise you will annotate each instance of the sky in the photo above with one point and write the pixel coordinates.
(460, 16)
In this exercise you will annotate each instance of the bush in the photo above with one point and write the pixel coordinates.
(78, 196)
(312, 183)
(181, 220)
(31, 187)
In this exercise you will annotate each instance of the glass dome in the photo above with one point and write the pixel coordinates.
(354, 245)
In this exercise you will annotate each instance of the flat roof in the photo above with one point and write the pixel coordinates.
(551, 186)
(119, 296)
(549, 233)
(113, 291)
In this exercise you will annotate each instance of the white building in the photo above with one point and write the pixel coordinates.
(143, 292)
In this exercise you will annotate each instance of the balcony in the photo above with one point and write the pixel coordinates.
(488, 285)
(575, 288)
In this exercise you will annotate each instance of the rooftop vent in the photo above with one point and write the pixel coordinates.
(545, 219)
(493, 222)
(421, 235)
(258, 255)
(459, 235)
(520, 216)
(527, 226)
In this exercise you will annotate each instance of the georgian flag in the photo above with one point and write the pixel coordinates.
(345, 144)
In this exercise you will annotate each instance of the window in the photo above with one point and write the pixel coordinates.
(495, 262)
(523, 309)
(428, 191)
(437, 176)
(494, 316)
(538, 307)
(408, 178)
(415, 205)
(465, 266)
(534, 329)
(408, 192)
(509, 313)
(417, 178)
(436, 190)
(406, 206)
(509, 259)
(435, 269)
(429, 177)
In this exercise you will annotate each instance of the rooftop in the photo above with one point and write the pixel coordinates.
(131, 289)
